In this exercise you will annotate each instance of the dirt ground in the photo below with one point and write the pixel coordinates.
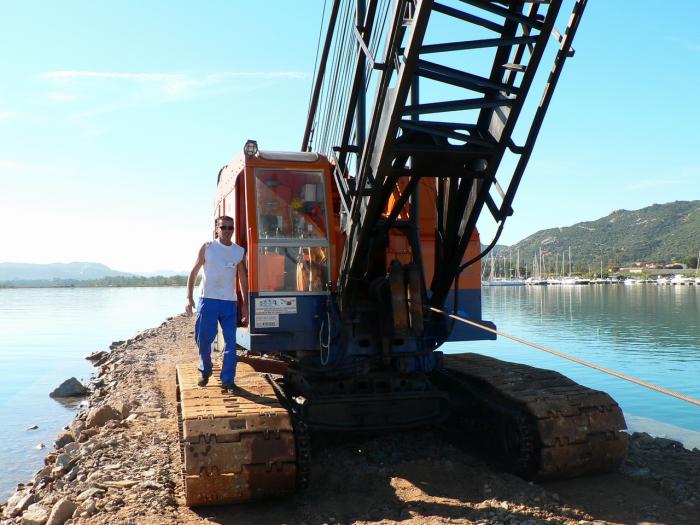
(127, 468)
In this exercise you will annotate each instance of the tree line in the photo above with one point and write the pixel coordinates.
(113, 281)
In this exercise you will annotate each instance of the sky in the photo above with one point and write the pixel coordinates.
(115, 118)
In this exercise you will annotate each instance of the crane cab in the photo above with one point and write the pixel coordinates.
(281, 204)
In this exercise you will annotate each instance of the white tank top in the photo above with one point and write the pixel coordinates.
(219, 279)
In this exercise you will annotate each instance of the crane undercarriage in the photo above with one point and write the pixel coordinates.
(533, 422)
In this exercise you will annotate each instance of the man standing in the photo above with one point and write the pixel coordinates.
(217, 304)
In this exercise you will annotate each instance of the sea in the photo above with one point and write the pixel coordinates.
(45, 334)
(646, 331)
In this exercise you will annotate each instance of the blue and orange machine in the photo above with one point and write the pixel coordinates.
(287, 215)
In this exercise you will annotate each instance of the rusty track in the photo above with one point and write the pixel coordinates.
(235, 448)
(538, 422)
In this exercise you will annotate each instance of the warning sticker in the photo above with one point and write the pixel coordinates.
(267, 321)
(275, 305)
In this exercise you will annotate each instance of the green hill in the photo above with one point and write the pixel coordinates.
(662, 233)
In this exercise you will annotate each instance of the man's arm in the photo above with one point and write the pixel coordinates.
(192, 278)
(243, 282)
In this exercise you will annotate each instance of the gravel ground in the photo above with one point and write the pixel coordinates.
(119, 462)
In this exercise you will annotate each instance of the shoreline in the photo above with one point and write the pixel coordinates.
(119, 462)
(46, 287)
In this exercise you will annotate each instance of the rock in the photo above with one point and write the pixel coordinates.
(62, 510)
(668, 443)
(638, 472)
(121, 407)
(63, 439)
(18, 503)
(33, 427)
(69, 388)
(43, 475)
(115, 344)
(66, 460)
(76, 427)
(72, 474)
(96, 356)
(125, 484)
(35, 515)
(100, 415)
(71, 447)
(88, 433)
(88, 508)
(89, 493)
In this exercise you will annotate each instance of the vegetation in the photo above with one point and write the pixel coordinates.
(112, 281)
(661, 234)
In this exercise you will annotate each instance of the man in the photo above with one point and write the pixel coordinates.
(222, 259)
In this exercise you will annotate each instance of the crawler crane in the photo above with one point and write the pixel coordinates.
(357, 245)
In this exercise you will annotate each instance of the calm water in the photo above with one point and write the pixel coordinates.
(646, 331)
(44, 337)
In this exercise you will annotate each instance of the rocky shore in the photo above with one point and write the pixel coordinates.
(119, 462)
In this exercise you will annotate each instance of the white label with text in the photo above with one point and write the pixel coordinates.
(275, 305)
(267, 321)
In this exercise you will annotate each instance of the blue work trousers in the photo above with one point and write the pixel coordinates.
(210, 313)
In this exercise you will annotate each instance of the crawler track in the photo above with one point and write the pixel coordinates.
(536, 422)
(235, 448)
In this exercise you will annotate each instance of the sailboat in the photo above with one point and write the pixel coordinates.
(536, 278)
(494, 280)
(570, 280)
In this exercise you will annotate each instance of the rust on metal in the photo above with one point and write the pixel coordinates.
(264, 365)
(235, 447)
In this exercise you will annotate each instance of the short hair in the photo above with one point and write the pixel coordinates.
(222, 218)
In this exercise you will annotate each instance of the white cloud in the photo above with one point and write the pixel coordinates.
(103, 92)
(173, 86)
(7, 115)
(690, 46)
(74, 75)
(225, 75)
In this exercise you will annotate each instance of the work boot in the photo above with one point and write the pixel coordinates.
(203, 380)
(231, 388)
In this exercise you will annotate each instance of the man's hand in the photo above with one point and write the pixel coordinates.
(244, 313)
(189, 308)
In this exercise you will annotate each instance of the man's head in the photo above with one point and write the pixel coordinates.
(224, 229)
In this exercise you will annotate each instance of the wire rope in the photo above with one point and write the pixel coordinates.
(318, 47)
(608, 371)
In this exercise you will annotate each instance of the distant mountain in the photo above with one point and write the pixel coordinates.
(660, 233)
(42, 272)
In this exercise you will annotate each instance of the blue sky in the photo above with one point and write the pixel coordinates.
(116, 116)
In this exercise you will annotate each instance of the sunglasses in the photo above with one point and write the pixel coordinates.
(226, 228)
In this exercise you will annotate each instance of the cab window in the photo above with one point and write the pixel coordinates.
(291, 204)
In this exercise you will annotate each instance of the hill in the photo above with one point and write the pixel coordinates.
(661, 233)
(40, 272)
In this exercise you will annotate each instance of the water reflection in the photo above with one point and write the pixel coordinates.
(44, 336)
(635, 319)
(646, 331)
